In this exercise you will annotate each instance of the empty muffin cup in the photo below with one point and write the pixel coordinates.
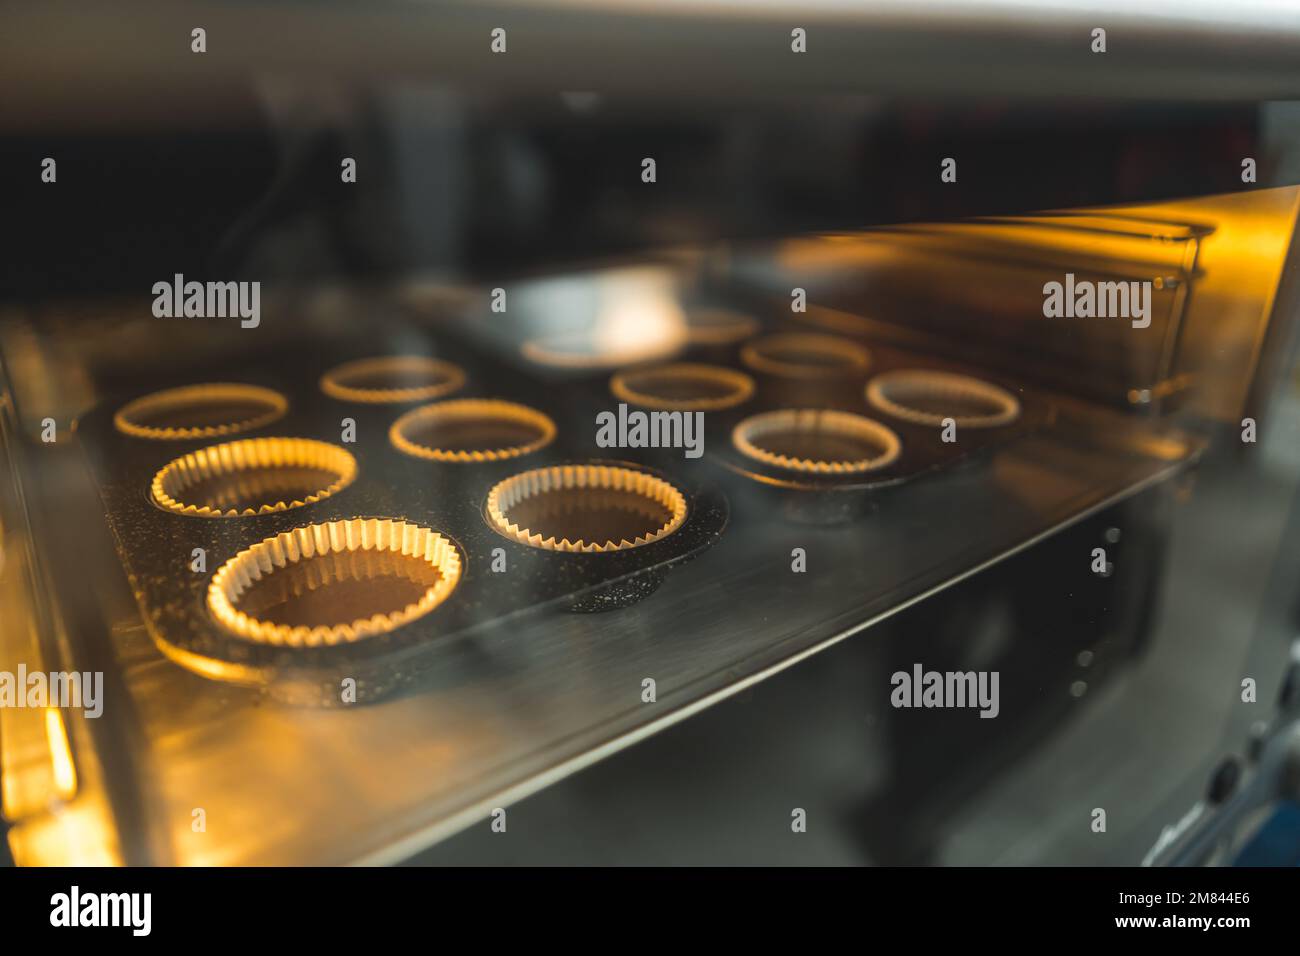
(583, 351)
(816, 441)
(588, 508)
(717, 326)
(806, 356)
(471, 430)
(683, 386)
(927, 397)
(253, 476)
(200, 411)
(392, 379)
(334, 583)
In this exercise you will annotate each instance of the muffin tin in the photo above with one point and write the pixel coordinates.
(245, 613)
(906, 442)
(816, 389)
(493, 469)
(801, 390)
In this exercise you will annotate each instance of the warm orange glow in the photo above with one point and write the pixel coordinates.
(568, 496)
(253, 476)
(65, 774)
(421, 554)
(75, 835)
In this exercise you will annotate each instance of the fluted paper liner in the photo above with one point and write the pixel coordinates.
(748, 437)
(582, 351)
(263, 406)
(651, 387)
(805, 355)
(400, 538)
(896, 393)
(577, 478)
(380, 380)
(718, 326)
(468, 412)
(254, 460)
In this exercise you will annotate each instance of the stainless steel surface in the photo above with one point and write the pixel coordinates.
(777, 169)
(1193, 49)
(513, 710)
(505, 713)
(1200, 351)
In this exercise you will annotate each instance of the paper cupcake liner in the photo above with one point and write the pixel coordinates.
(579, 488)
(654, 387)
(390, 540)
(579, 352)
(408, 432)
(805, 355)
(388, 379)
(901, 394)
(718, 326)
(200, 411)
(251, 468)
(750, 438)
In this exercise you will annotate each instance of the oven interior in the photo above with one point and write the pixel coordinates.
(1088, 520)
